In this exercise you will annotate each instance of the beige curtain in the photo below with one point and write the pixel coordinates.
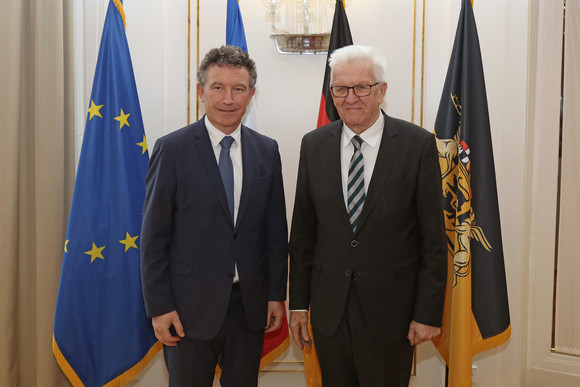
(36, 178)
(567, 319)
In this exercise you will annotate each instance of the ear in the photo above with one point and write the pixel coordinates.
(200, 92)
(382, 91)
(252, 92)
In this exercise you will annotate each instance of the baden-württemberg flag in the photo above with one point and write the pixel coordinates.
(101, 333)
(476, 316)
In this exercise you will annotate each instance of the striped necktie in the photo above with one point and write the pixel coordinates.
(356, 183)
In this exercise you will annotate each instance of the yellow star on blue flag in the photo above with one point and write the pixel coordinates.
(95, 252)
(123, 119)
(143, 145)
(95, 110)
(129, 242)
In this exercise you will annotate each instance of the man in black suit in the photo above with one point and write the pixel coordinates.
(214, 251)
(367, 243)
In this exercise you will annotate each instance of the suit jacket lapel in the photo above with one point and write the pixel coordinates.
(248, 149)
(207, 155)
(385, 157)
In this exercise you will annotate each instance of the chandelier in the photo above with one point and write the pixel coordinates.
(300, 26)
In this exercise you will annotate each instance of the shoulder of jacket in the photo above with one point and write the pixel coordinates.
(258, 138)
(178, 136)
(332, 129)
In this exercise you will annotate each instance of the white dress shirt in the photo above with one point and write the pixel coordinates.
(215, 136)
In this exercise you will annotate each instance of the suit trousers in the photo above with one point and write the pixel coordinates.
(353, 357)
(236, 348)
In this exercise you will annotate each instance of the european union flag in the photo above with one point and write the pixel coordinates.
(101, 332)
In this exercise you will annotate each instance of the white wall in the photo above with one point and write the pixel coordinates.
(288, 96)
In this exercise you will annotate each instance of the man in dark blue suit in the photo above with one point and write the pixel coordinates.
(214, 255)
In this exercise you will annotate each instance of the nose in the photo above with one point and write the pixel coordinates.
(351, 97)
(228, 95)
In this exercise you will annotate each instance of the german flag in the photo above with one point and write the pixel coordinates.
(476, 316)
(339, 37)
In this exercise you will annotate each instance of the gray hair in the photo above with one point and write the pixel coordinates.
(227, 56)
(356, 53)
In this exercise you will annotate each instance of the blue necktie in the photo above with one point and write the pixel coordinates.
(227, 171)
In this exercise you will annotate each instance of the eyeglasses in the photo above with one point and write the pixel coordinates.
(358, 90)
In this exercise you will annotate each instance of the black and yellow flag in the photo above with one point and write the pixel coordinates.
(476, 316)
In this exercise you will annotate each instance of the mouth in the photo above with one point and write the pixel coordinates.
(227, 111)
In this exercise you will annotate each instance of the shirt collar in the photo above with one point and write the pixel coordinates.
(370, 136)
(216, 135)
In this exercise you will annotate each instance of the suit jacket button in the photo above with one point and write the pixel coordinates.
(354, 243)
(236, 235)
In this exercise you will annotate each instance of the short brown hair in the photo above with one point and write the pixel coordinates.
(227, 56)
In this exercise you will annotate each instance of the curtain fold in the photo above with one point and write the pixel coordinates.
(567, 335)
(37, 172)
